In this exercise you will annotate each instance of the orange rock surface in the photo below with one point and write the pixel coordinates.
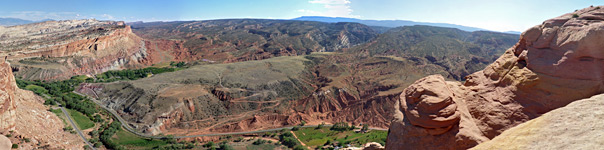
(553, 64)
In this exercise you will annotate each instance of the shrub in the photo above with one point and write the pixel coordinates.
(296, 128)
(365, 128)
(320, 125)
(15, 146)
(225, 146)
(259, 141)
(299, 147)
(328, 142)
(340, 126)
(575, 16)
(209, 144)
(289, 142)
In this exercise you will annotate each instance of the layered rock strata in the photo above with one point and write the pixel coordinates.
(56, 50)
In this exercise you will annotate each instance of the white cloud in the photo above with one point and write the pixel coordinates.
(332, 8)
(332, 2)
(106, 16)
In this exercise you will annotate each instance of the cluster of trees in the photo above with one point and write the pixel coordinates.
(288, 140)
(177, 64)
(61, 92)
(222, 146)
(260, 141)
(95, 138)
(342, 126)
(133, 74)
(54, 89)
(128, 74)
(108, 132)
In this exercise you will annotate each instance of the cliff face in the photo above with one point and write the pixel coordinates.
(56, 50)
(551, 66)
(23, 115)
(7, 97)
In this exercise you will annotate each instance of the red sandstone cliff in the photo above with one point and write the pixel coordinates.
(61, 49)
(553, 64)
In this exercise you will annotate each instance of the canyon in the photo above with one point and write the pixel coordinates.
(245, 74)
(282, 91)
(553, 64)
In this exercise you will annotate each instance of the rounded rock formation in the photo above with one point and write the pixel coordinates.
(430, 105)
(552, 65)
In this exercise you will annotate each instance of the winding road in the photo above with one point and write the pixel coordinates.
(73, 124)
(130, 129)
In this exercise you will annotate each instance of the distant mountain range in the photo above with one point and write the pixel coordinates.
(379, 25)
(391, 23)
(17, 21)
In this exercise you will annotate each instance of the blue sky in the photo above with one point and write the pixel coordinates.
(497, 15)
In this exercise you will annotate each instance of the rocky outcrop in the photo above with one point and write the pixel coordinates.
(8, 86)
(553, 64)
(57, 50)
(42, 127)
(23, 115)
(575, 126)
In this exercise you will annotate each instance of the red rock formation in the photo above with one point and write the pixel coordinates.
(24, 116)
(61, 49)
(7, 97)
(552, 65)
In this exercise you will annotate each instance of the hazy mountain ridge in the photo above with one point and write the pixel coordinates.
(391, 23)
(17, 21)
(460, 52)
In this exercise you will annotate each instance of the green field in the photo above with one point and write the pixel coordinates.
(313, 137)
(80, 119)
(131, 141)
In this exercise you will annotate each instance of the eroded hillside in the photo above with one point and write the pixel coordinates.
(235, 40)
(282, 91)
(458, 52)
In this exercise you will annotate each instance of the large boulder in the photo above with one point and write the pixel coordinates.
(552, 65)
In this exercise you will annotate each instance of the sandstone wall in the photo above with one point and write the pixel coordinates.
(57, 50)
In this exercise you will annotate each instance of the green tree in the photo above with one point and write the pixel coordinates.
(299, 147)
(365, 128)
(225, 146)
(209, 144)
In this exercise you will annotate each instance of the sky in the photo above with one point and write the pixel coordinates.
(496, 15)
